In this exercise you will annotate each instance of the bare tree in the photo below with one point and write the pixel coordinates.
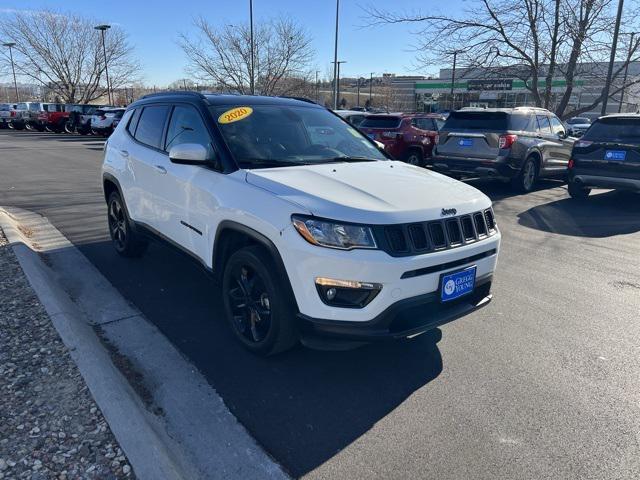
(536, 41)
(64, 54)
(222, 56)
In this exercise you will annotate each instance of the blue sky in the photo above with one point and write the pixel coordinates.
(153, 27)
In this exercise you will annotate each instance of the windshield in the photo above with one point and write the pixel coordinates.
(578, 120)
(614, 130)
(264, 136)
(381, 122)
(4, 107)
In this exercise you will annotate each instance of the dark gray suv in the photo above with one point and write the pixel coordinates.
(520, 144)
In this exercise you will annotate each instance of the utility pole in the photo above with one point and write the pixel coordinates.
(626, 71)
(252, 79)
(184, 83)
(104, 28)
(370, 87)
(612, 60)
(317, 88)
(13, 68)
(336, 65)
(358, 90)
(337, 88)
(453, 75)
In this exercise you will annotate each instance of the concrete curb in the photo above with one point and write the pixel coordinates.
(197, 436)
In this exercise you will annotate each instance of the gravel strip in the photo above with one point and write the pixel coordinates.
(50, 427)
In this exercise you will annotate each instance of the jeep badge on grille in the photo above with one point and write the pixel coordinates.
(448, 211)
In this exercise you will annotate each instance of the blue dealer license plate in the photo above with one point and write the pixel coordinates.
(615, 155)
(457, 284)
(466, 142)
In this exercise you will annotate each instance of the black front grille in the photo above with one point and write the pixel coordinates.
(417, 238)
(437, 235)
(478, 219)
(397, 239)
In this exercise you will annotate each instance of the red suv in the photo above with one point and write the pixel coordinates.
(406, 136)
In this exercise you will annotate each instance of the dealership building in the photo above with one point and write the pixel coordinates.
(504, 88)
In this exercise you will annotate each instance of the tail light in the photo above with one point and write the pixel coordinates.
(505, 141)
(13, 113)
(571, 164)
(582, 143)
(394, 135)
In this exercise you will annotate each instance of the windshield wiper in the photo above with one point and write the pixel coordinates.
(349, 159)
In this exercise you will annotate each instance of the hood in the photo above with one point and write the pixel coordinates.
(384, 192)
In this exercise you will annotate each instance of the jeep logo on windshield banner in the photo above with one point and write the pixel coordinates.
(448, 211)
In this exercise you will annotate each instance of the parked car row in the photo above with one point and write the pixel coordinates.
(520, 145)
(59, 117)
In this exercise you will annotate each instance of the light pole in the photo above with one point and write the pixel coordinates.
(453, 74)
(317, 88)
(337, 86)
(336, 65)
(626, 71)
(13, 68)
(612, 60)
(358, 90)
(370, 87)
(104, 28)
(252, 79)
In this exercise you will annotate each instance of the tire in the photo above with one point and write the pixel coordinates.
(527, 179)
(11, 126)
(69, 128)
(415, 157)
(259, 311)
(578, 192)
(123, 237)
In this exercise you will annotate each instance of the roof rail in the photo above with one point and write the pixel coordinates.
(173, 93)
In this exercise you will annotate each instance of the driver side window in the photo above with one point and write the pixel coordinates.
(186, 126)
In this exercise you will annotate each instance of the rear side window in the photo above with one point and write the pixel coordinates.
(543, 124)
(133, 123)
(622, 130)
(477, 121)
(523, 123)
(151, 125)
(381, 122)
(556, 126)
(22, 106)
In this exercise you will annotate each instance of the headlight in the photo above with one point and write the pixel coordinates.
(330, 234)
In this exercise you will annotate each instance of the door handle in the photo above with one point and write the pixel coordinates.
(160, 169)
(124, 153)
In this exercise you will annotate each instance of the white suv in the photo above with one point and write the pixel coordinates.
(312, 231)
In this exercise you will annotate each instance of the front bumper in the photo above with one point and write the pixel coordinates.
(405, 318)
(401, 278)
(501, 167)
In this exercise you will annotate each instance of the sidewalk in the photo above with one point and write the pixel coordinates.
(50, 427)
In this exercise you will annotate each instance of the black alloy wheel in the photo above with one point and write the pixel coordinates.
(124, 239)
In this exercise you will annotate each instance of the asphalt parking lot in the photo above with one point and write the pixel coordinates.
(542, 383)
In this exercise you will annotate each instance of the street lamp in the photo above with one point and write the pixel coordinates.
(612, 59)
(252, 79)
(13, 68)
(104, 28)
(453, 74)
(337, 86)
(626, 70)
(336, 65)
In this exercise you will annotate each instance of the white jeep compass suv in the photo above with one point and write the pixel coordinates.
(312, 231)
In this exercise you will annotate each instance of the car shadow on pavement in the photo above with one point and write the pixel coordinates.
(303, 406)
(499, 190)
(602, 214)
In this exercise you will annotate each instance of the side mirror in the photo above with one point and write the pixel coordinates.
(190, 154)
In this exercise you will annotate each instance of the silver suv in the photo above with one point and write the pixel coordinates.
(519, 144)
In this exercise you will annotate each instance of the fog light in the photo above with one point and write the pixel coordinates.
(346, 293)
